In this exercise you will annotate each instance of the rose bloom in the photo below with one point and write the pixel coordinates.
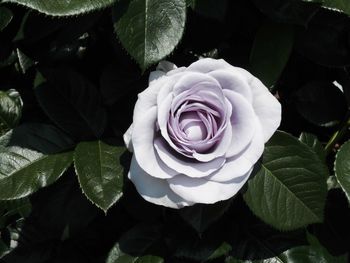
(198, 131)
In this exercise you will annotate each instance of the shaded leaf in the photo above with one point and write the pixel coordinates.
(200, 216)
(312, 141)
(342, 168)
(10, 109)
(135, 246)
(25, 165)
(68, 93)
(335, 5)
(150, 29)
(100, 172)
(270, 52)
(290, 189)
(63, 8)
(5, 17)
(321, 103)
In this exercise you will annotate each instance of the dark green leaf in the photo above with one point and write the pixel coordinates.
(200, 217)
(270, 53)
(63, 8)
(24, 171)
(135, 246)
(5, 17)
(10, 109)
(312, 141)
(24, 61)
(68, 93)
(321, 103)
(335, 5)
(100, 172)
(25, 165)
(214, 9)
(342, 168)
(150, 29)
(289, 191)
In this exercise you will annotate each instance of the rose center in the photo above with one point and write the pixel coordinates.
(192, 126)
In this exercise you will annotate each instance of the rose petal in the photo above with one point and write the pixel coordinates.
(232, 79)
(142, 139)
(188, 167)
(266, 107)
(154, 190)
(127, 138)
(200, 190)
(242, 121)
(241, 163)
(206, 65)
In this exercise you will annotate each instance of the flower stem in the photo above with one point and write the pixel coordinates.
(338, 135)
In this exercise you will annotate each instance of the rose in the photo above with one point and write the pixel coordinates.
(198, 131)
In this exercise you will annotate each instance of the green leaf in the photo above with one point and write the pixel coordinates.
(342, 168)
(100, 172)
(10, 109)
(24, 61)
(270, 52)
(135, 246)
(321, 103)
(63, 8)
(289, 191)
(5, 17)
(25, 171)
(312, 141)
(200, 216)
(68, 93)
(27, 159)
(335, 5)
(150, 29)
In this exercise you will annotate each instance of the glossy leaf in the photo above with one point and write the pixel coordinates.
(25, 171)
(270, 53)
(342, 168)
(200, 217)
(312, 141)
(10, 109)
(289, 190)
(29, 159)
(5, 17)
(335, 5)
(68, 93)
(135, 246)
(100, 172)
(63, 8)
(150, 29)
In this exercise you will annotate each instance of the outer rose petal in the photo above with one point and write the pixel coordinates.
(153, 189)
(144, 152)
(127, 138)
(206, 65)
(200, 190)
(239, 164)
(265, 105)
(162, 68)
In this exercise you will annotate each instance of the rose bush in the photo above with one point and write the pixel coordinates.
(198, 131)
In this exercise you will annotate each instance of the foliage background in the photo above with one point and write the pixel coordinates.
(70, 72)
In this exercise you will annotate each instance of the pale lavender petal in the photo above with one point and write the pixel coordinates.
(267, 108)
(155, 75)
(242, 121)
(142, 139)
(206, 65)
(166, 66)
(185, 166)
(154, 190)
(232, 79)
(200, 190)
(127, 138)
(241, 163)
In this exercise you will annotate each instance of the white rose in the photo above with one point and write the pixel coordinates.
(198, 131)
